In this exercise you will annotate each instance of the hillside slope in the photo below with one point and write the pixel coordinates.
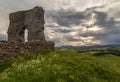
(61, 66)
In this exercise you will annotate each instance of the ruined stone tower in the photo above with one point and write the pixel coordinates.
(32, 20)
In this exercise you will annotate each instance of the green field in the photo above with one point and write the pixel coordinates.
(62, 65)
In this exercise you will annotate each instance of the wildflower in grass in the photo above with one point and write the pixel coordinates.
(55, 55)
(39, 69)
(72, 76)
(4, 75)
(42, 59)
(59, 68)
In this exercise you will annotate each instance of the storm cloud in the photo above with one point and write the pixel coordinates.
(71, 22)
(66, 18)
(72, 19)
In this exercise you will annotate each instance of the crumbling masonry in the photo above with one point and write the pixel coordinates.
(33, 21)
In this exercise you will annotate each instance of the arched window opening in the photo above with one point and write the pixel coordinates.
(26, 35)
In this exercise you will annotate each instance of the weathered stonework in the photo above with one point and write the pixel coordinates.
(9, 50)
(33, 20)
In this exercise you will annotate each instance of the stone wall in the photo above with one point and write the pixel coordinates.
(9, 50)
(33, 20)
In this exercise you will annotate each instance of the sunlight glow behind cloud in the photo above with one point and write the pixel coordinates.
(71, 22)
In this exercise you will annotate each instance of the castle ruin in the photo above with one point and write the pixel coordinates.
(33, 21)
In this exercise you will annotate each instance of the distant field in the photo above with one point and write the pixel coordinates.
(63, 65)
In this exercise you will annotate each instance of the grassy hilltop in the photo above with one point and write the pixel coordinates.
(62, 65)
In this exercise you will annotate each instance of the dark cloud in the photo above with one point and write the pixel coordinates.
(66, 21)
(66, 18)
(72, 39)
(103, 20)
(93, 8)
(64, 30)
(108, 36)
(72, 18)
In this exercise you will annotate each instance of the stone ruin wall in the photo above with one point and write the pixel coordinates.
(9, 50)
(33, 21)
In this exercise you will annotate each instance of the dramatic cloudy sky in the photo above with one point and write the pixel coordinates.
(71, 22)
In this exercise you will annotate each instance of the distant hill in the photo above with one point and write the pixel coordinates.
(89, 47)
